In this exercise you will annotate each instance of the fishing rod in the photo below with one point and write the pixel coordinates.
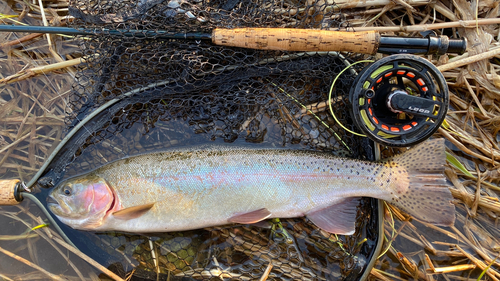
(287, 39)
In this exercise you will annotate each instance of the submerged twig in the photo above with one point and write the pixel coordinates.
(266, 272)
(28, 263)
(17, 237)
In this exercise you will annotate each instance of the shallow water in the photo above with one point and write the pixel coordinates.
(39, 249)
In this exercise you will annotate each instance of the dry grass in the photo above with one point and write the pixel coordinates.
(470, 248)
(32, 109)
(33, 97)
(34, 84)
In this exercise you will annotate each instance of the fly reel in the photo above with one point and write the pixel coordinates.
(400, 100)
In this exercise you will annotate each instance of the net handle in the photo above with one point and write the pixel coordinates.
(7, 192)
(292, 39)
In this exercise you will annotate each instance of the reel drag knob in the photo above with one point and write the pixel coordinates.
(400, 100)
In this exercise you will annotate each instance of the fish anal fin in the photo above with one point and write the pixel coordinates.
(132, 212)
(339, 218)
(250, 217)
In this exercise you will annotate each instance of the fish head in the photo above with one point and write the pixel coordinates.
(83, 202)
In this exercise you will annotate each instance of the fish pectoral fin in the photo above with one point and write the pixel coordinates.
(250, 217)
(339, 218)
(132, 212)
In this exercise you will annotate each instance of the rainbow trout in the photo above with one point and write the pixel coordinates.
(216, 185)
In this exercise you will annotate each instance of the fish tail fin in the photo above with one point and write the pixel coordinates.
(427, 197)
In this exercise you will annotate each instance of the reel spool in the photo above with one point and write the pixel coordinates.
(400, 100)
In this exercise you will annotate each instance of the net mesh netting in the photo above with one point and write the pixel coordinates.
(171, 93)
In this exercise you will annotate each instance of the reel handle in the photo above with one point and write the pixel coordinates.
(402, 102)
(8, 192)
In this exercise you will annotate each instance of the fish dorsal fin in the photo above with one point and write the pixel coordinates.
(250, 217)
(133, 212)
(339, 218)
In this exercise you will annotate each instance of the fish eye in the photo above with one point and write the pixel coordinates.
(67, 190)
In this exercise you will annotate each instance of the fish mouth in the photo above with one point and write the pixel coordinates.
(51, 201)
(54, 206)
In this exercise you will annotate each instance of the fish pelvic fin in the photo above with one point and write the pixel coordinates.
(132, 212)
(250, 217)
(427, 197)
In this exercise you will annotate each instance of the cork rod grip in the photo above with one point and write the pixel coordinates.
(292, 39)
(7, 192)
